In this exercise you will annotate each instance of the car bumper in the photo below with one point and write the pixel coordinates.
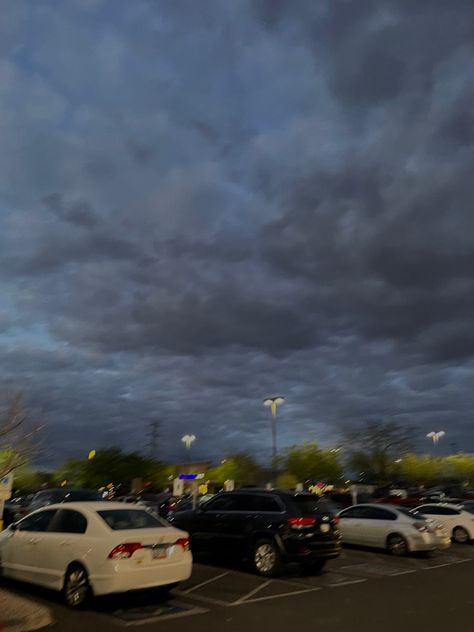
(422, 542)
(306, 551)
(125, 579)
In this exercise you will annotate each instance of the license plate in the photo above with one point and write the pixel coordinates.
(159, 552)
(325, 528)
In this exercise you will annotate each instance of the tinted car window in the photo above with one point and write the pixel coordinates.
(439, 511)
(121, 519)
(309, 504)
(68, 521)
(37, 522)
(222, 503)
(356, 512)
(81, 495)
(378, 513)
(266, 503)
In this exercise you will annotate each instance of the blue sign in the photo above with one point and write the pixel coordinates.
(187, 477)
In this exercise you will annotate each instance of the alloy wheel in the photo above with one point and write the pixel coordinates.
(265, 558)
(76, 588)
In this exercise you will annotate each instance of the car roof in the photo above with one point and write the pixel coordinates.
(448, 505)
(99, 505)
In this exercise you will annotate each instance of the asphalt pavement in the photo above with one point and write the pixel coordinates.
(364, 591)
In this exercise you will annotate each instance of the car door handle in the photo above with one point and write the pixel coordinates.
(65, 543)
(33, 541)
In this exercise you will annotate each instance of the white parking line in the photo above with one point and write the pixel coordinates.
(208, 581)
(346, 583)
(252, 592)
(402, 573)
(295, 592)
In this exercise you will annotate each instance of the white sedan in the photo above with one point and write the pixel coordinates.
(95, 548)
(458, 521)
(395, 529)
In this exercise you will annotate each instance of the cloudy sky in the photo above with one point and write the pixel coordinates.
(204, 203)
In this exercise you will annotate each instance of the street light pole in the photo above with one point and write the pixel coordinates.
(273, 403)
(436, 436)
(188, 440)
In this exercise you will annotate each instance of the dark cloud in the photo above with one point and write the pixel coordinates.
(204, 205)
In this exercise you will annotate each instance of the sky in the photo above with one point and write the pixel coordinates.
(206, 203)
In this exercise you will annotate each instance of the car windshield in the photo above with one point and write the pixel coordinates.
(121, 519)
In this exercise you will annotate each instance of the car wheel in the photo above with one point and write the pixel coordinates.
(397, 545)
(266, 558)
(77, 589)
(460, 535)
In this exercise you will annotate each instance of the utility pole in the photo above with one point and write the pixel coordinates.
(153, 434)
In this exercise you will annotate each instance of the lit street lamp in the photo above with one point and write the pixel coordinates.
(188, 440)
(436, 436)
(272, 403)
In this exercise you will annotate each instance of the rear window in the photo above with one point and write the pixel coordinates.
(122, 519)
(411, 513)
(308, 505)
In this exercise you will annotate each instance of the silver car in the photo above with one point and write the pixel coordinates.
(398, 530)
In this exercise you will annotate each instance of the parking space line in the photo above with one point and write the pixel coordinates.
(202, 598)
(208, 581)
(294, 592)
(346, 583)
(402, 573)
(253, 592)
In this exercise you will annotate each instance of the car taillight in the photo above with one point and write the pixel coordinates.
(184, 542)
(421, 526)
(124, 551)
(299, 523)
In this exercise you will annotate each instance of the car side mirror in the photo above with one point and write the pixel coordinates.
(13, 527)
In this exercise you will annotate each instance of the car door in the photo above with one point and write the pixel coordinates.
(377, 524)
(211, 523)
(350, 525)
(20, 550)
(63, 542)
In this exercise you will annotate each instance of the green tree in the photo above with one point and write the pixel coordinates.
(241, 468)
(419, 470)
(308, 462)
(287, 481)
(373, 448)
(112, 465)
(460, 467)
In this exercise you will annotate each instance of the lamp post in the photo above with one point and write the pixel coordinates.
(272, 403)
(436, 436)
(188, 440)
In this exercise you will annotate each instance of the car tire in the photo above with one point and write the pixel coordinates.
(77, 591)
(397, 545)
(266, 558)
(460, 535)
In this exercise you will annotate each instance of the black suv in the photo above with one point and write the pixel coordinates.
(266, 527)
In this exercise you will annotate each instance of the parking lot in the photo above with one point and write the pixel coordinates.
(228, 586)
(220, 595)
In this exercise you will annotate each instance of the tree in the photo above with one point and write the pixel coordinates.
(374, 447)
(419, 470)
(460, 467)
(308, 462)
(18, 442)
(287, 481)
(112, 465)
(241, 468)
